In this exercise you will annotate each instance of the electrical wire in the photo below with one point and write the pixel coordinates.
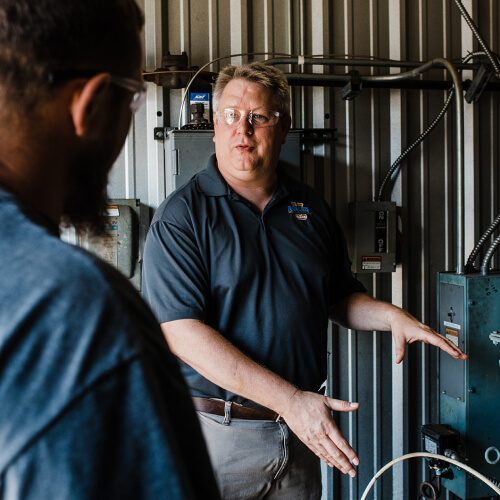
(480, 243)
(485, 480)
(245, 54)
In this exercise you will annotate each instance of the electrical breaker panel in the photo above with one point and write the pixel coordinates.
(469, 391)
(372, 237)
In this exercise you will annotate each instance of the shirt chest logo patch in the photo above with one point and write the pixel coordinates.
(299, 210)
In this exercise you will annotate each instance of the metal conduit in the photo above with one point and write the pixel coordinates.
(485, 266)
(325, 61)
(478, 36)
(489, 231)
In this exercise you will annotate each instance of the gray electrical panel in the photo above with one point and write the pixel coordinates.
(372, 236)
(123, 243)
(187, 153)
(469, 399)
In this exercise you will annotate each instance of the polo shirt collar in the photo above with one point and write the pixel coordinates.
(211, 183)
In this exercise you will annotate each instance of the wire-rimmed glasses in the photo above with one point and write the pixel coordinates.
(257, 118)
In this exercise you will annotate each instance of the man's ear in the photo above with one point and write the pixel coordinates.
(87, 99)
(215, 126)
(285, 128)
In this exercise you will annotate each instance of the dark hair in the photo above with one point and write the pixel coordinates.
(38, 37)
(268, 76)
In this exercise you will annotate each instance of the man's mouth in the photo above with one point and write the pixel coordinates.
(245, 148)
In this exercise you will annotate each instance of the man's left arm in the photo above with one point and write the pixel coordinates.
(359, 311)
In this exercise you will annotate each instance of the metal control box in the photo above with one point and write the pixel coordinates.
(372, 237)
(123, 242)
(469, 391)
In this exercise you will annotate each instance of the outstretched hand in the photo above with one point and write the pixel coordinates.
(359, 311)
(407, 329)
(309, 417)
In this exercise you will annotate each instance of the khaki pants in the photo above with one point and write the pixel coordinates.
(260, 459)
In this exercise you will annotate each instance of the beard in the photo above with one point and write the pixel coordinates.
(87, 201)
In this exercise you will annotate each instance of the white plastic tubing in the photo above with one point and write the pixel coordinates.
(485, 480)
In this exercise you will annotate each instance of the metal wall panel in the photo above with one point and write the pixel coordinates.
(371, 131)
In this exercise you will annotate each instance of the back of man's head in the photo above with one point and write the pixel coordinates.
(40, 37)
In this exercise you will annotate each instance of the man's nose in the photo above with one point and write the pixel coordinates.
(245, 125)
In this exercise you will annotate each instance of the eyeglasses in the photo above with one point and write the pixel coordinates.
(138, 88)
(262, 118)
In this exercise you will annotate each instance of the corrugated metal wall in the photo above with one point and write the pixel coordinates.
(371, 131)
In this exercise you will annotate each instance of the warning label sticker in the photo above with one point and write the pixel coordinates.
(452, 335)
(371, 263)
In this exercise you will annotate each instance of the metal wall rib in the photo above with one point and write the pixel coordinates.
(371, 131)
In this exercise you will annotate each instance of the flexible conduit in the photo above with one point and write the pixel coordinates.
(410, 148)
(429, 129)
(478, 36)
(481, 241)
(470, 470)
(485, 266)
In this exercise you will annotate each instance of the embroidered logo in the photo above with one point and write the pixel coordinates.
(299, 210)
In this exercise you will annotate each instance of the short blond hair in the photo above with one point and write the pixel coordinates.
(257, 72)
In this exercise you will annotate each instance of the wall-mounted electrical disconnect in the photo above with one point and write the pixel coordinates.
(372, 236)
(469, 391)
(123, 243)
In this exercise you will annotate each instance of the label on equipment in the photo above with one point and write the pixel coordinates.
(452, 335)
(204, 98)
(452, 325)
(113, 211)
(430, 445)
(371, 263)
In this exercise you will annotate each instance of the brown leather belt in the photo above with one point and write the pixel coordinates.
(217, 407)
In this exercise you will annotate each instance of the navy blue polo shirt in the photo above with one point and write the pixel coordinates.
(264, 281)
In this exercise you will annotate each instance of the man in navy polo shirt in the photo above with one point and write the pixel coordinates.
(243, 267)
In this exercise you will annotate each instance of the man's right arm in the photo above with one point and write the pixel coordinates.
(307, 414)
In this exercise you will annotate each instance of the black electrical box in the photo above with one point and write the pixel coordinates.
(436, 438)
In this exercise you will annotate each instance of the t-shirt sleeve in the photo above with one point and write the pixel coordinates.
(175, 281)
(117, 441)
(343, 283)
